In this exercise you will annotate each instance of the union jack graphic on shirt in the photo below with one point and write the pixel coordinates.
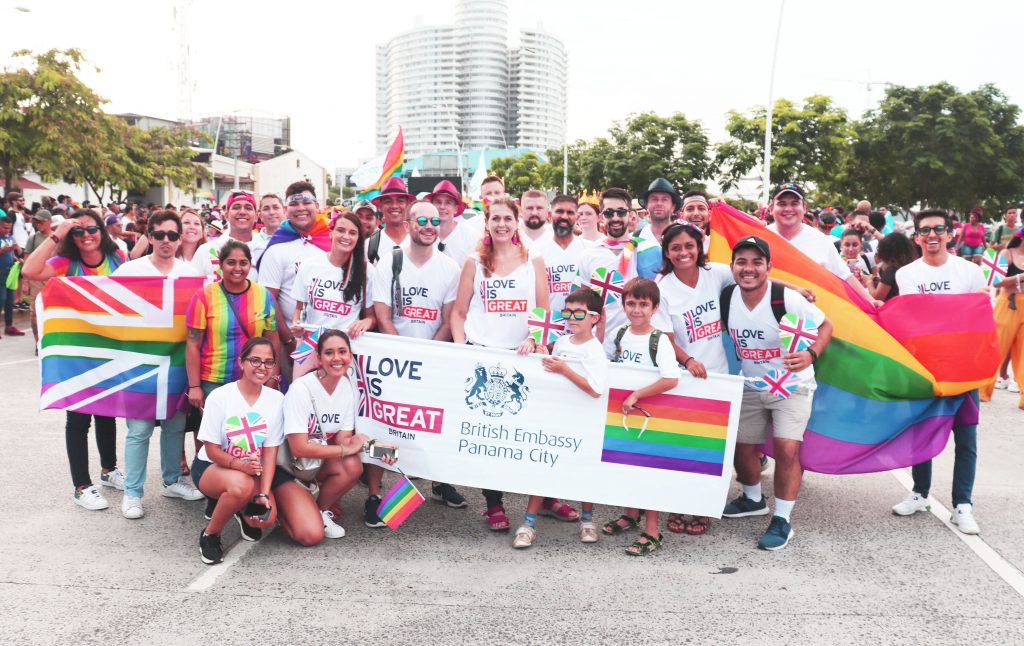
(696, 331)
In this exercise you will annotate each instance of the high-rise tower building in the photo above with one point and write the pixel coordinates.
(459, 86)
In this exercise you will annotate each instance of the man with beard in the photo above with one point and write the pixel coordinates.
(608, 255)
(281, 261)
(661, 202)
(393, 202)
(367, 214)
(417, 302)
(456, 239)
(534, 227)
(697, 212)
(562, 252)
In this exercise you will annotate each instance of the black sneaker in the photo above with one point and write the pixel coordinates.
(249, 533)
(210, 549)
(742, 507)
(370, 517)
(211, 504)
(448, 495)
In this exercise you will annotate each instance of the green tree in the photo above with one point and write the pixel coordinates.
(940, 147)
(520, 175)
(49, 119)
(809, 143)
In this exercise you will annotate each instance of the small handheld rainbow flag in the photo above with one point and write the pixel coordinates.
(797, 334)
(608, 283)
(399, 503)
(306, 349)
(545, 326)
(781, 383)
(994, 267)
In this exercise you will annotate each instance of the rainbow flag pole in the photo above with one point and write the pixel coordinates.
(399, 502)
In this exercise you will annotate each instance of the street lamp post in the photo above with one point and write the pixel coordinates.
(767, 177)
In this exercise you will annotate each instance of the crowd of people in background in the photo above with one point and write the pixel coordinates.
(423, 267)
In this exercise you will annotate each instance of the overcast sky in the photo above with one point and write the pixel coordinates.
(315, 61)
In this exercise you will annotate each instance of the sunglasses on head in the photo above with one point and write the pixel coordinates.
(301, 198)
(256, 362)
(940, 229)
(423, 221)
(159, 236)
(78, 232)
(577, 315)
(611, 213)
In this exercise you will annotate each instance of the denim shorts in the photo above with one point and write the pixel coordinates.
(967, 252)
(200, 466)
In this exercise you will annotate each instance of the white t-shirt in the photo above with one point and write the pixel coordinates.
(144, 267)
(240, 429)
(386, 245)
(279, 266)
(591, 356)
(500, 306)
(425, 290)
(460, 242)
(308, 408)
(818, 247)
(319, 286)
(121, 244)
(636, 350)
(955, 276)
(614, 317)
(206, 261)
(696, 319)
(528, 242)
(756, 333)
(561, 265)
(20, 230)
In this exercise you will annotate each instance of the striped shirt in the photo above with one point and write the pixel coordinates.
(224, 337)
(66, 267)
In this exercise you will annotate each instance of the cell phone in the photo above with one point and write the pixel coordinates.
(256, 509)
(378, 451)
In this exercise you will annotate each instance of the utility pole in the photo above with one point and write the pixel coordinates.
(767, 178)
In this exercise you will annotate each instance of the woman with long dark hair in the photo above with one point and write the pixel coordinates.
(894, 251)
(81, 246)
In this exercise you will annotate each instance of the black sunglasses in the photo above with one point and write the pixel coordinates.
(611, 213)
(173, 236)
(940, 229)
(78, 232)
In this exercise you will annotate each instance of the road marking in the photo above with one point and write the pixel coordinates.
(1006, 570)
(12, 363)
(206, 580)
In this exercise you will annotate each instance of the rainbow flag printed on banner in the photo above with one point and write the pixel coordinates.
(399, 503)
(115, 346)
(682, 433)
(881, 403)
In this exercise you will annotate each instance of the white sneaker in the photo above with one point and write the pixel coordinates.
(113, 478)
(1001, 383)
(525, 536)
(1011, 386)
(914, 503)
(91, 499)
(963, 518)
(331, 528)
(183, 490)
(131, 507)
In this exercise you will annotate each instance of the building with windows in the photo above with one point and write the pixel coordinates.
(459, 86)
(250, 137)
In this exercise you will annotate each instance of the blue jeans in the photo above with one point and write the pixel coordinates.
(965, 462)
(7, 297)
(136, 451)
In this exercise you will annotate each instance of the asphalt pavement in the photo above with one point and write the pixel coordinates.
(853, 573)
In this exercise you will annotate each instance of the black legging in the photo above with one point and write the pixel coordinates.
(76, 437)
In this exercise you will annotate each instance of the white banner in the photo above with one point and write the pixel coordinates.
(491, 419)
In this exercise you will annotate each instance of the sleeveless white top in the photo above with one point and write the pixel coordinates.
(500, 308)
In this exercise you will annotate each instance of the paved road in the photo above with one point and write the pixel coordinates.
(853, 574)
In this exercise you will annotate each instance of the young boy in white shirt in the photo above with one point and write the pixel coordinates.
(642, 344)
(582, 311)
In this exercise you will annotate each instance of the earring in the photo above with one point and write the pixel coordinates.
(487, 240)
(515, 238)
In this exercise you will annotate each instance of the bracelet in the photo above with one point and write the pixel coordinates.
(342, 451)
(687, 360)
(289, 341)
(191, 387)
(53, 236)
(261, 495)
(814, 355)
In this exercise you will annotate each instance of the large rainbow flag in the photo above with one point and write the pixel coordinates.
(892, 382)
(115, 346)
(392, 165)
(682, 434)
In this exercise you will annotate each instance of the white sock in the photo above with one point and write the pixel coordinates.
(784, 508)
(752, 491)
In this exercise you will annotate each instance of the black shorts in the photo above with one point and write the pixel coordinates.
(200, 466)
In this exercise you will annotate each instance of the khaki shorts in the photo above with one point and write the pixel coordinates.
(32, 289)
(762, 411)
